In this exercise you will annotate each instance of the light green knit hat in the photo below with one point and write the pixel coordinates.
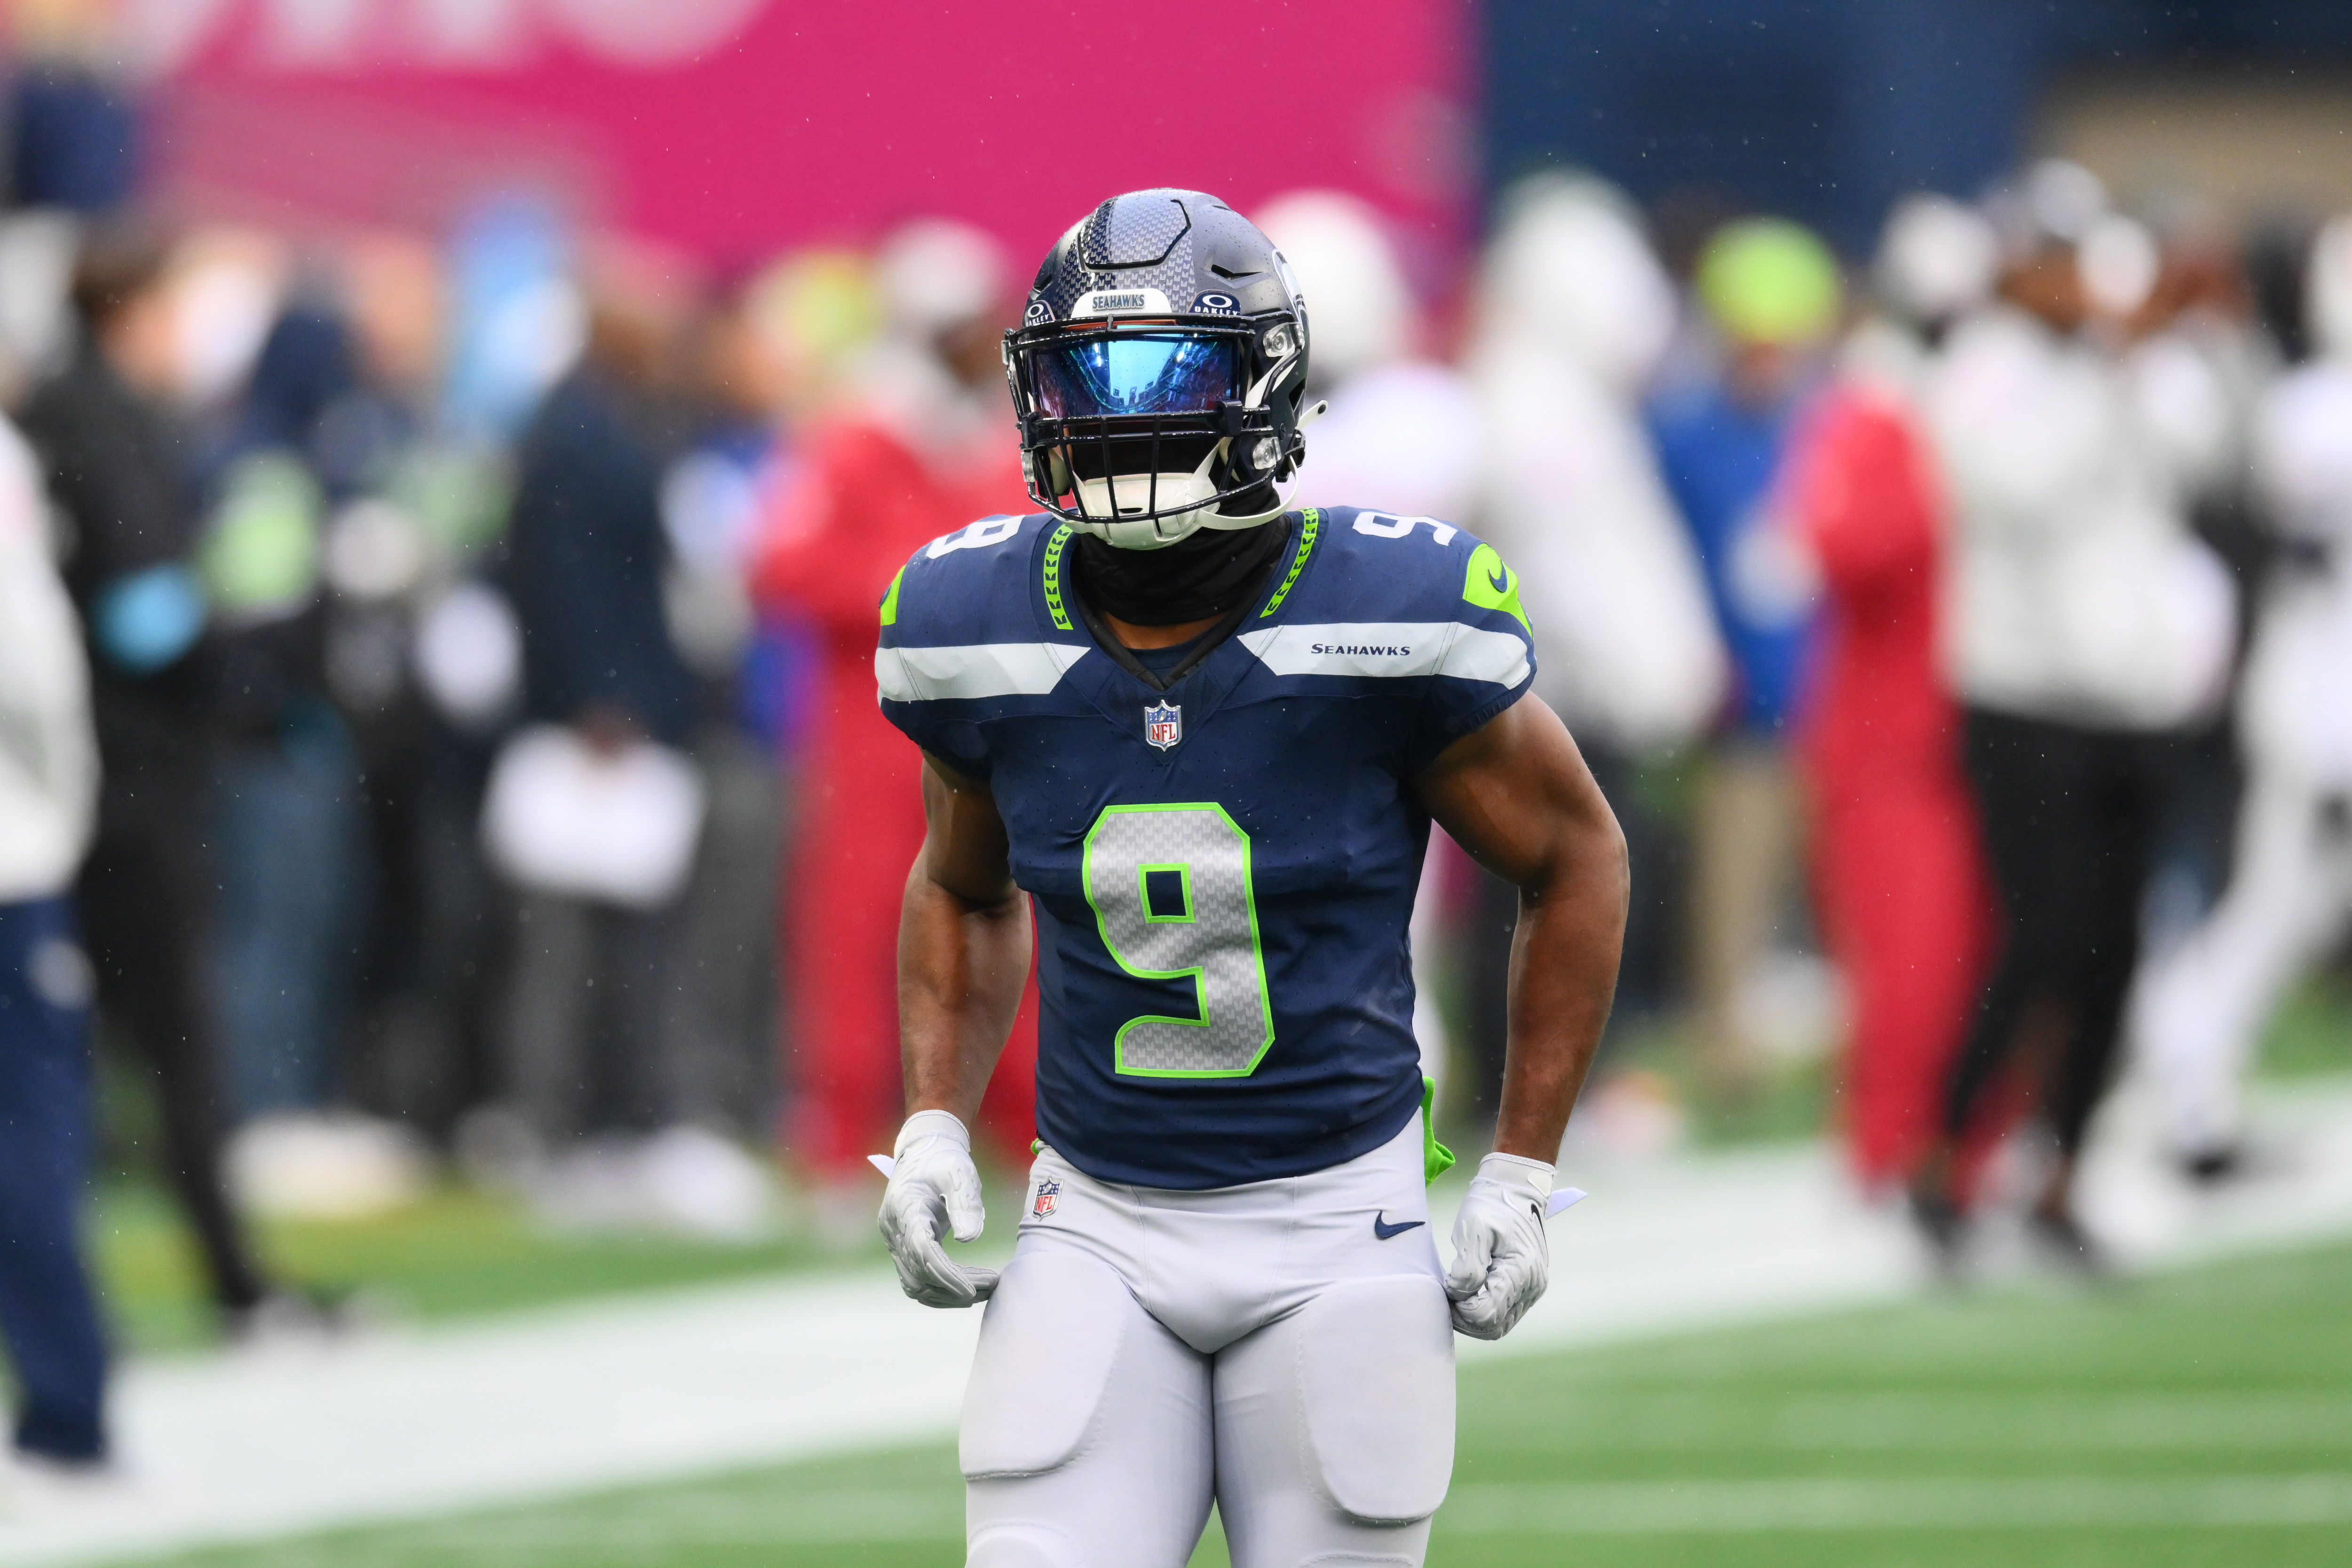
(1769, 280)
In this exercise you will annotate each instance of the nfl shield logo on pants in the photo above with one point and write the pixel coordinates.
(1163, 725)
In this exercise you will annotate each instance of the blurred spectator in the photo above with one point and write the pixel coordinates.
(72, 134)
(1770, 290)
(2201, 305)
(410, 514)
(1897, 870)
(2201, 1011)
(288, 826)
(1399, 435)
(1573, 313)
(2089, 627)
(48, 785)
(594, 813)
(1399, 438)
(925, 445)
(118, 472)
(721, 1029)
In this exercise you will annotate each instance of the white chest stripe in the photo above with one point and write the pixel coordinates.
(976, 669)
(1392, 648)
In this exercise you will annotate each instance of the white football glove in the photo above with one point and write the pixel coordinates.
(1501, 1261)
(934, 1187)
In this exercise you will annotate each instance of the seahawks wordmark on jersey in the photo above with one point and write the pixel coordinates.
(1222, 871)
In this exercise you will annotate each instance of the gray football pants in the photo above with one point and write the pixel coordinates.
(1282, 1348)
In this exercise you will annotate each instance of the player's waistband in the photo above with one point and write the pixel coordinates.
(1374, 1171)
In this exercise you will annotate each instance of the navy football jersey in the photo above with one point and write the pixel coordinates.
(1222, 871)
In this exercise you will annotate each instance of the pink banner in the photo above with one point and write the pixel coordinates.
(732, 127)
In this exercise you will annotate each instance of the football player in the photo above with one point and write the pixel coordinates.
(1206, 738)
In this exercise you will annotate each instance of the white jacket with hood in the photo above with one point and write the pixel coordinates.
(1575, 313)
(49, 757)
(2078, 594)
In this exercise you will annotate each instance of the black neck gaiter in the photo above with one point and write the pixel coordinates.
(1204, 576)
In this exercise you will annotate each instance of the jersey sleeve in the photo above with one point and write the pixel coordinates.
(953, 654)
(1487, 660)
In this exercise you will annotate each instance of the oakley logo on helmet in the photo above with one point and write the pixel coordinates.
(1217, 305)
(1038, 311)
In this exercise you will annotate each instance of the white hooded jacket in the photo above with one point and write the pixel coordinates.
(1576, 313)
(2078, 593)
(49, 757)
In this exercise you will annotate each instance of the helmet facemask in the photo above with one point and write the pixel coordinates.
(1143, 430)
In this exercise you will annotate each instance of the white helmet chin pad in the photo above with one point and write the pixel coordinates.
(1158, 533)
(1100, 501)
(1110, 500)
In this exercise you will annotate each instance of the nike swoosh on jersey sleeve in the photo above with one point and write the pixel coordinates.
(1392, 648)
(976, 669)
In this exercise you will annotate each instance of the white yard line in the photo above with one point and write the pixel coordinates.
(423, 1422)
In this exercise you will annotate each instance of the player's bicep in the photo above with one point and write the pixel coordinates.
(966, 849)
(1515, 794)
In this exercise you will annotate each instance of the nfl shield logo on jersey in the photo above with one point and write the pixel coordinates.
(1049, 1193)
(1163, 725)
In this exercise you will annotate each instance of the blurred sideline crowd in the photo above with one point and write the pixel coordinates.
(437, 721)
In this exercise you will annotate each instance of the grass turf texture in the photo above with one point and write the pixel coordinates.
(459, 1253)
(2198, 1418)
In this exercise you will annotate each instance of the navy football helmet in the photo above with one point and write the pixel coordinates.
(1159, 371)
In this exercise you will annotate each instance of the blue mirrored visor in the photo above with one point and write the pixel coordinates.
(1171, 372)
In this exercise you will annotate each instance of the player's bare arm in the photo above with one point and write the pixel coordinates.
(963, 947)
(1515, 794)
(963, 953)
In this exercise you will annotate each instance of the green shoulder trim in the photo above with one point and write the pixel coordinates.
(1053, 573)
(1491, 585)
(1310, 522)
(1436, 1159)
(890, 600)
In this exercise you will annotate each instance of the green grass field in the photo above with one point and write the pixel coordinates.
(2200, 1418)
(459, 1253)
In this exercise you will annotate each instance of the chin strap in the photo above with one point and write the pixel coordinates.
(1281, 500)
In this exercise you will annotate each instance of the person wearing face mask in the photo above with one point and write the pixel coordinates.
(914, 450)
(2087, 628)
(117, 469)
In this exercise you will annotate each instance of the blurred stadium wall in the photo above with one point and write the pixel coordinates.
(731, 128)
(1828, 110)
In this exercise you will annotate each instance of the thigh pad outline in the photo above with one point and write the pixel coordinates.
(1375, 1361)
(1027, 1544)
(1048, 1347)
